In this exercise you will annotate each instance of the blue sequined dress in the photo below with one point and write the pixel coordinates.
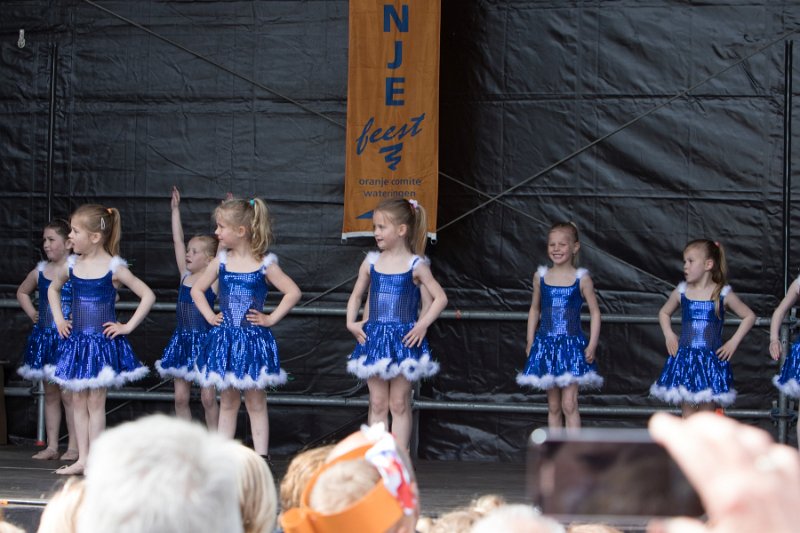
(87, 358)
(788, 380)
(394, 302)
(41, 351)
(189, 337)
(237, 353)
(695, 374)
(557, 357)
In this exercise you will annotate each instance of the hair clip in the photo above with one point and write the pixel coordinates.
(102, 224)
(413, 203)
(716, 243)
(396, 478)
(109, 211)
(252, 201)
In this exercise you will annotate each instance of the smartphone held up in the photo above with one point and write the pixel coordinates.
(613, 475)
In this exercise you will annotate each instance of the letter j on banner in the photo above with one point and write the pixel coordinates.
(392, 109)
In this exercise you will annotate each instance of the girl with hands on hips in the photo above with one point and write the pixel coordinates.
(240, 353)
(41, 350)
(404, 300)
(96, 353)
(697, 374)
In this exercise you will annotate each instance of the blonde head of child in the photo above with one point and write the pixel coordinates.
(409, 220)
(258, 500)
(247, 220)
(301, 468)
(200, 250)
(367, 484)
(94, 226)
(563, 244)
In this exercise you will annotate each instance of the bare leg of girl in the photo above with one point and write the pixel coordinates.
(255, 400)
(229, 401)
(400, 407)
(208, 396)
(554, 416)
(183, 390)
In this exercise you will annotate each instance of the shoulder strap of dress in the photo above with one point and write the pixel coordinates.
(681, 287)
(71, 261)
(40, 266)
(372, 257)
(725, 290)
(580, 273)
(541, 270)
(223, 256)
(417, 260)
(116, 262)
(269, 259)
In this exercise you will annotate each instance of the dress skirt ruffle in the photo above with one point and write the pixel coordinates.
(181, 354)
(695, 376)
(240, 357)
(559, 361)
(92, 360)
(787, 381)
(41, 354)
(384, 355)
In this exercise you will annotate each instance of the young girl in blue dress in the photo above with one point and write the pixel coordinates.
(560, 359)
(41, 351)
(404, 300)
(240, 353)
(96, 353)
(788, 380)
(186, 343)
(697, 374)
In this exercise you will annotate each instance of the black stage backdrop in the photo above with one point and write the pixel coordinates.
(523, 84)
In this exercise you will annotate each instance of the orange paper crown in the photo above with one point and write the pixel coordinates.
(376, 511)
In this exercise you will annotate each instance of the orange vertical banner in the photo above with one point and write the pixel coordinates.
(392, 109)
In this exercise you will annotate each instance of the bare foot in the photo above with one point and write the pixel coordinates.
(48, 454)
(69, 455)
(75, 469)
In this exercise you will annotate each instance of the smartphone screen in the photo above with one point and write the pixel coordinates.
(617, 474)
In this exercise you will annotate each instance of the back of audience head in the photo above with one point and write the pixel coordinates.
(366, 484)
(516, 518)
(301, 468)
(60, 515)
(158, 475)
(258, 500)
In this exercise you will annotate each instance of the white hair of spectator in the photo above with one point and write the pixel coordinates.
(160, 475)
(516, 518)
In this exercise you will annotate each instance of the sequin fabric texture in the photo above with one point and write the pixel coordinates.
(695, 374)
(788, 380)
(236, 353)
(87, 358)
(41, 350)
(189, 337)
(556, 357)
(394, 302)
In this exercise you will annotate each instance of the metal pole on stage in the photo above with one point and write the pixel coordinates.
(787, 195)
(51, 130)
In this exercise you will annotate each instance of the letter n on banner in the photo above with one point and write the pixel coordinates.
(392, 109)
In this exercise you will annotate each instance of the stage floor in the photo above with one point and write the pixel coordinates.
(26, 484)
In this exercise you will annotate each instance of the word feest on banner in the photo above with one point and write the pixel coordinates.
(392, 148)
